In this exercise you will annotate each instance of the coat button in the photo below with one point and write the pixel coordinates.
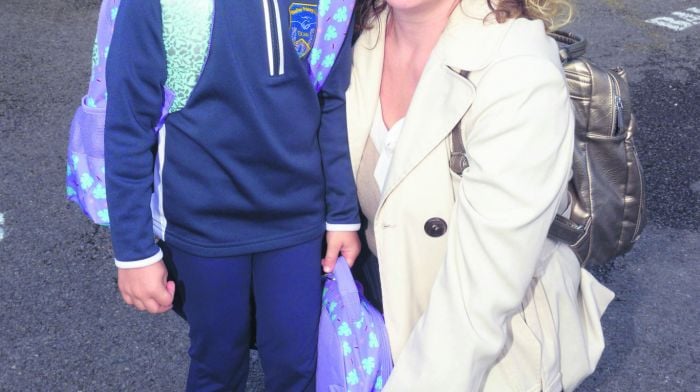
(435, 227)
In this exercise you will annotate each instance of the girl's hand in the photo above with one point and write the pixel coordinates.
(345, 243)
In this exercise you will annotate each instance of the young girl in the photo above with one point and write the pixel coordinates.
(249, 175)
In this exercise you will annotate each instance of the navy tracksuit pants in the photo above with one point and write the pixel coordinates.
(279, 292)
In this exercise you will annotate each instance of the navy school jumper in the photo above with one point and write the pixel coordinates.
(255, 161)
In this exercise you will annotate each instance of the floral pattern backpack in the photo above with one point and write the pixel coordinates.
(353, 346)
(187, 26)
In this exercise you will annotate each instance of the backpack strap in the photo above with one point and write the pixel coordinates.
(334, 18)
(571, 46)
(187, 29)
(97, 89)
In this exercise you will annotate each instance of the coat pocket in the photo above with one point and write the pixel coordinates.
(520, 366)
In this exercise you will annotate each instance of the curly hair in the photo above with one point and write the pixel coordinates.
(554, 13)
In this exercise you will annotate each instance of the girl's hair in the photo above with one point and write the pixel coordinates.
(554, 13)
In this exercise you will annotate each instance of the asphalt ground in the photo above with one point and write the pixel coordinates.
(63, 326)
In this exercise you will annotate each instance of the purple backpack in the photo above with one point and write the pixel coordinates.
(85, 171)
(353, 346)
(85, 183)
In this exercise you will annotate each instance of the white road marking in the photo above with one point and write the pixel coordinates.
(2, 224)
(679, 21)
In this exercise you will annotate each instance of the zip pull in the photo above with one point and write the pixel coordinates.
(620, 116)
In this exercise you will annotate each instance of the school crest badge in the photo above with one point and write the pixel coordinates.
(303, 19)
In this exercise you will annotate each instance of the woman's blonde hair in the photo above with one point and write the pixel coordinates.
(554, 13)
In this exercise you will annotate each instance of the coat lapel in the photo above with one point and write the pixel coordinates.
(442, 96)
(441, 99)
(363, 95)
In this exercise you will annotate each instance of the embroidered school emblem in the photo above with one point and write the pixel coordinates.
(303, 19)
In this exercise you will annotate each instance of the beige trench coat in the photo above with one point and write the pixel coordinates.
(492, 304)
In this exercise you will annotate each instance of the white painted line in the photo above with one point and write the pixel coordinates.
(687, 16)
(669, 23)
(2, 224)
(679, 20)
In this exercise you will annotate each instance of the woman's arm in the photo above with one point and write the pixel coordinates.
(520, 150)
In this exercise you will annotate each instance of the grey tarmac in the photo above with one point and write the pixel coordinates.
(63, 326)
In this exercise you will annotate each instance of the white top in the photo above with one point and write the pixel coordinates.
(385, 141)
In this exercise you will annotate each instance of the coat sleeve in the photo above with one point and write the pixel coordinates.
(520, 149)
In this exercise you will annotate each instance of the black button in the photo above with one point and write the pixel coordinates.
(435, 227)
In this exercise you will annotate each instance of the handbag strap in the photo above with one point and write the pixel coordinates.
(566, 230)
(571, 46)
(458, 154)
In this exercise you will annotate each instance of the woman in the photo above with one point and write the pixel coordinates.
(475, 295)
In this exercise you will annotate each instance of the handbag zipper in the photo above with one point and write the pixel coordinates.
(618, 113)
(619, 116)
(620, 108)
